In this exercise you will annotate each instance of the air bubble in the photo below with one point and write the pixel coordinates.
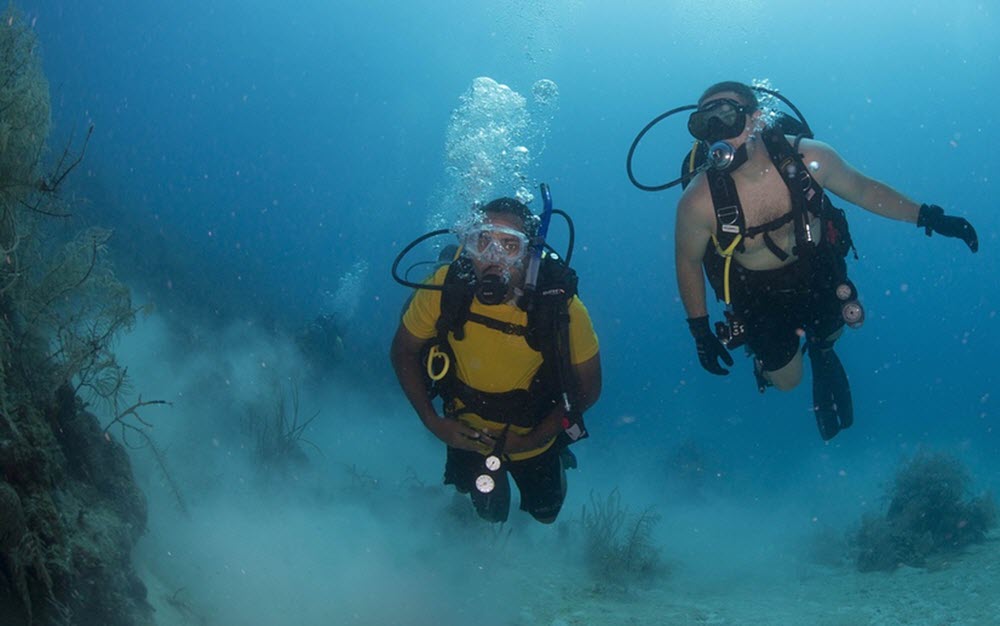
(545, 92)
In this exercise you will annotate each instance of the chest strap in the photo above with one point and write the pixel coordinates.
(507, 328)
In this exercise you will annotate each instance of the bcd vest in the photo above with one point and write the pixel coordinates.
(547, 332)
(808, 201)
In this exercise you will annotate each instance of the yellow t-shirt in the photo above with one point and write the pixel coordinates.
(493, 361)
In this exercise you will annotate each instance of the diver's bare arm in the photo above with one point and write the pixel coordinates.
(405, 355)
(840, 177)
(690, 238)
(589, 379)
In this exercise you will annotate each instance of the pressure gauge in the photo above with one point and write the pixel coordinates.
(485, 483)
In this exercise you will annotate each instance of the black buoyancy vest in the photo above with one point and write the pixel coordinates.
(547, 332)
(807, 198)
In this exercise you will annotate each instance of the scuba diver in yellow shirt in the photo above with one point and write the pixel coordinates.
(501, 336)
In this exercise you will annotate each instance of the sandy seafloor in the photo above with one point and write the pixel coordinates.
(321, 547)
(964, 590)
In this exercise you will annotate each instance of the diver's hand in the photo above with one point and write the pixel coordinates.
(710, 349)
(933, 220)
(517, 442)
(460, 435)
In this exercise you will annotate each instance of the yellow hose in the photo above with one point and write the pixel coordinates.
(728, 255)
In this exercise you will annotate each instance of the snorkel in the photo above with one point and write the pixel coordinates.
(538, 245)
(571, 424)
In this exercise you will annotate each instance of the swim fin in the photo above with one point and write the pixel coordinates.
(831, 392)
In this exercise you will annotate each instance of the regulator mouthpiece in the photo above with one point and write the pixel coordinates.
(492, 289)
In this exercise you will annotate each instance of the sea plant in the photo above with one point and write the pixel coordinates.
(618, 545)
(930, 514)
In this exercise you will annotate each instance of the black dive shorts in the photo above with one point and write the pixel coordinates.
(781, 306)
(539, 479)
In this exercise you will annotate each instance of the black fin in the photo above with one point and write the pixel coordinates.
(831, 393)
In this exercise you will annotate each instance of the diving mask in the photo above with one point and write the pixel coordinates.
(718, 119)
(496, 244)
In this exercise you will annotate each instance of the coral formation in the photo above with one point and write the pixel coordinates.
(69, 509)
(928, 516)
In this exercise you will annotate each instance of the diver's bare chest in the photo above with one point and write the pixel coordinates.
(763, 201)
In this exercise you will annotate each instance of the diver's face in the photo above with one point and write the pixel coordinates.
(499, 245)
(723, 116)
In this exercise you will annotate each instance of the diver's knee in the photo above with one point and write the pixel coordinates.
(786, 383)
(787, 377)
(548, 514)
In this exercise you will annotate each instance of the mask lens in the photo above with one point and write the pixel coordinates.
(720, 119)
(500, 244)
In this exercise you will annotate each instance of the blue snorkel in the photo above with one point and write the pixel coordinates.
(538, 243)
(572, 421)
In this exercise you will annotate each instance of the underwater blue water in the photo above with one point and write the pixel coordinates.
(248, 154)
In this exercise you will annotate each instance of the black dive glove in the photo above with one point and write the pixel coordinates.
(933, 220)
(710, 349)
